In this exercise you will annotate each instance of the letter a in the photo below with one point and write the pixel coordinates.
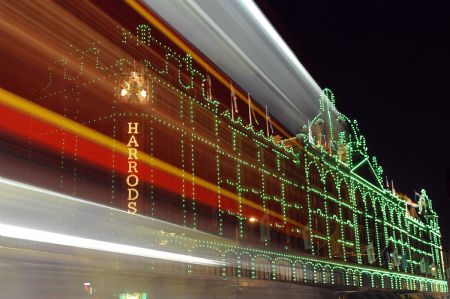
(133, 142)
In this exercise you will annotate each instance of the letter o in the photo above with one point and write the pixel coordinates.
(136, 180)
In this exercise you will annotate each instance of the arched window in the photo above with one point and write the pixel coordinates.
(387, 282)
(393, 219)
(344, 192)
(205, 269)
(359, 201)
(231, 266)
(369, 205)
(319, 274)
(330, 186)
(379, 210)
(314, 177)
(319, 224)
(361, 218)
(377, 281)
(366, 281)
(163, 266)
(387, 213)
(347, 214)
(327, 275)
(299, 275)
(317, 202)
(372, 232)
(333, 208)
(245, 266)
(309, 273)
(283, 270)
(338, 275)
(356, 280)
(371, 222)
(262, 268)
(401, 221)
(350, 279)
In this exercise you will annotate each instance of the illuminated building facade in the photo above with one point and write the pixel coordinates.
(323, 213)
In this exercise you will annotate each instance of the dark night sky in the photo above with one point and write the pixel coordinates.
(388, 64)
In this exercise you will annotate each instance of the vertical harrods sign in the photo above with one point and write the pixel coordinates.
(132, 179)
(134, 90)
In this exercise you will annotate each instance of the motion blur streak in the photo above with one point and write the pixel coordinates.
(158, 24)
(23, 233)
(28, 234)
(18, 103)
(251, 7)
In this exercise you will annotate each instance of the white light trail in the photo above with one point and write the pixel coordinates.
(22, 233)
(254, 11)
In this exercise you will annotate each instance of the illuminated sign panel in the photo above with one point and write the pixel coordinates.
(133, 296)
(132, 178)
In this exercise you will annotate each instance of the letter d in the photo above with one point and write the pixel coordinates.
(132, 196)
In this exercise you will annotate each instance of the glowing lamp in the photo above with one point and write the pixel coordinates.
(134, 88)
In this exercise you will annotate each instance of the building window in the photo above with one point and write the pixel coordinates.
(317, 202)
(331, 189)
(314, 177)
(262, 268)
(283, 270)
(344, 192)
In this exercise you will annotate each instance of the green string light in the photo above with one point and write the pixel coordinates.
(336, 198)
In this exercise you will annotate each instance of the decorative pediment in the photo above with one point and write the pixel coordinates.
(335, 134)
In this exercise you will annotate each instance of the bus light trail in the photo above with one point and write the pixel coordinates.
(98, 147)
(145, 13)
(23, 233)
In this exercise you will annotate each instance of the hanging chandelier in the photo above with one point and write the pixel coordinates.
(134, 87)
